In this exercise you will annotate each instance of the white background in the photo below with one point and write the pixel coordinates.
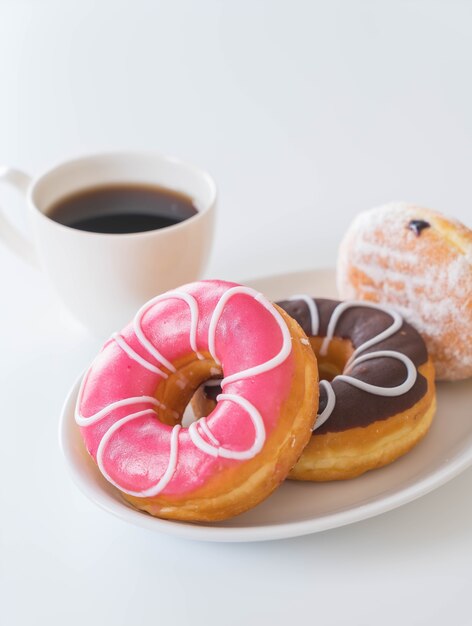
(305, 113)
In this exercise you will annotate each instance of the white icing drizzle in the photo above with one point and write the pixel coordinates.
(180, 295)
(218, 450)
(313, 310)
(173, 456)
(96, 417)
(204, 426)
(383, 391)
(263, 367)
(214, 448)
(331, 401)
(355, 359)
(120, 340)
(343, 306)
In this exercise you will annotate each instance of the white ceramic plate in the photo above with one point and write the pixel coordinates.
(303, 508)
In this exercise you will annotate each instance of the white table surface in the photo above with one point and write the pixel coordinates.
(305, 113)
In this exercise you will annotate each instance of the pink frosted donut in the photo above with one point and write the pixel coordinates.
(132, 399)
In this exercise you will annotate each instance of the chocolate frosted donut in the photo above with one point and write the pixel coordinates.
(377, 395)
(361, 324)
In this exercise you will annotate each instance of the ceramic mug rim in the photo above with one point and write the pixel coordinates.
(40, 179)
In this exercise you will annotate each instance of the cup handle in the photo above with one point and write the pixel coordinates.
(9, 234)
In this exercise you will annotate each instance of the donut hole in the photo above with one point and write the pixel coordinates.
(334, 361)
(189, 416)
(175, 393)
(330, 365)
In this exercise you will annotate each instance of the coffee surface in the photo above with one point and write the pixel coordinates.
(122, 208)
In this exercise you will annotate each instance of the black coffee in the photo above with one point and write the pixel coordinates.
(122, 208)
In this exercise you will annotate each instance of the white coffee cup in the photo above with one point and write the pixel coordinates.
(103, 278)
